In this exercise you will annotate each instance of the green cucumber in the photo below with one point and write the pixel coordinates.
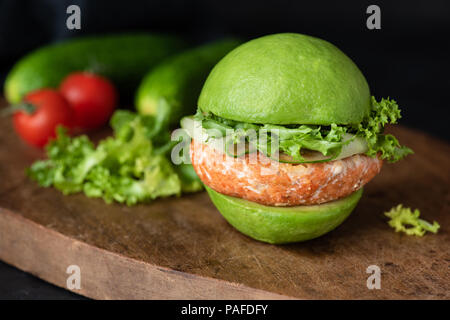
(124, 59)
(178, 80)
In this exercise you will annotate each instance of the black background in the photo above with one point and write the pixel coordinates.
(408, 59)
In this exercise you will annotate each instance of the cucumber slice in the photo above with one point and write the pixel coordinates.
(356, 146)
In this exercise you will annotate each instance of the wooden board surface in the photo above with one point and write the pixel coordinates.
(182, 248)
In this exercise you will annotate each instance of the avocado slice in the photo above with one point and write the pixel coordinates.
(279, 225)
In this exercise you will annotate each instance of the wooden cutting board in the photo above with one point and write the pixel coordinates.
(181, 248)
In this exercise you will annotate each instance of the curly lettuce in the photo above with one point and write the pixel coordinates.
(407, 221)
(295, 140)
(371, 129)
(130, 167)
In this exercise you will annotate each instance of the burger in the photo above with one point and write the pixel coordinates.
(286, 135)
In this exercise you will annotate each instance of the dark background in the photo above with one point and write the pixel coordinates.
(408, 59)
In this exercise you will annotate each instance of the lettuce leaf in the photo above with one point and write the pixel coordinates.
(130, 167)
(407, 221)
(293, 140)
(372, 127)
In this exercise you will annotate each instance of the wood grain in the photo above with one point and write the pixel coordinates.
(181, 248)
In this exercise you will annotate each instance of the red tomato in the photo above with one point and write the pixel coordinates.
(50, 110)
(92, 97)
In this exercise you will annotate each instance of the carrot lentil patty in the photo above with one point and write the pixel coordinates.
(259, 179)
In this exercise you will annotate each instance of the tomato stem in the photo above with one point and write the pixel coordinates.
(26, 107)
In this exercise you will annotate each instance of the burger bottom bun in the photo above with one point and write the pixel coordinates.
(278, 225)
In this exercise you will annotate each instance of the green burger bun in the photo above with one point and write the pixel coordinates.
(278, 225)
(287, 78)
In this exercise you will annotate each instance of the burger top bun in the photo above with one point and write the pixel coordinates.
(287, 78)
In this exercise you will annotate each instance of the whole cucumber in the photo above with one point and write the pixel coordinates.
(175, 84)
(122, 58)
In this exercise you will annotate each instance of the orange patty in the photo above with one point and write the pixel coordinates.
(260, 179)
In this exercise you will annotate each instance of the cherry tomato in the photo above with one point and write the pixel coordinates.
(92, 97)
(43, 111)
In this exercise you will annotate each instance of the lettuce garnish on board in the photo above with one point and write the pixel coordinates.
(404, 220)
(328, 140)
(130, 167)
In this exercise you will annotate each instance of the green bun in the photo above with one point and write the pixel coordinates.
(279, 225)
(287, 78)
